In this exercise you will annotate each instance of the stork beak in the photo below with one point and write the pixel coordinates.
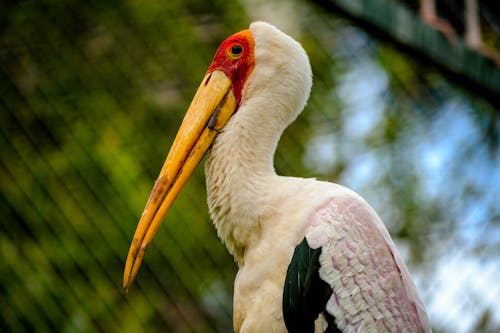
(212, 106)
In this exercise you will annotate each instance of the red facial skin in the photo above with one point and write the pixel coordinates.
(237, 67)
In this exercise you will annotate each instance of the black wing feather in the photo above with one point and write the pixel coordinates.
(305, 294)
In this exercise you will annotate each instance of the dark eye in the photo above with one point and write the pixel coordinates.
(236, 49)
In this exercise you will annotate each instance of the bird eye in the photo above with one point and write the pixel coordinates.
(236, 50)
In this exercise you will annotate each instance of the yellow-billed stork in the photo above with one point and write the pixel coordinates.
(313, 256)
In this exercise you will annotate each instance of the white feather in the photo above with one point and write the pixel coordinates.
(259, 215)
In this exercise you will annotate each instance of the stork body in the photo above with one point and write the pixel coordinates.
(313, 256)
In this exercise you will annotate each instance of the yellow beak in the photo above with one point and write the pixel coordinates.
(212, 106)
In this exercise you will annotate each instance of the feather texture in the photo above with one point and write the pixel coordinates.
(372, 289)
(305, 294)
(262, 217)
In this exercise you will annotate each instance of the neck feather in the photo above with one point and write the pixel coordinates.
(239, 170)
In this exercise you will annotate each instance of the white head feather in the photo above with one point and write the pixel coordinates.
(282, 74)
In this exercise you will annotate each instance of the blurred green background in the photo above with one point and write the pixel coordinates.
(91, 95)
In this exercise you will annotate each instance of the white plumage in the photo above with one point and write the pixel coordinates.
(362, 284)
(261, 216)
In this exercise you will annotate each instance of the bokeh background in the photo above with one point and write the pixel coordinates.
(91, 95)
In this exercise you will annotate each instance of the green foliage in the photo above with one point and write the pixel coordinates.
(86, 85)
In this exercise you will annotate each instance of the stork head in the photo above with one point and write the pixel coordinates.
(250, 66)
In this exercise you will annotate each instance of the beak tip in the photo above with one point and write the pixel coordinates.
(127, 282)
(127, 276)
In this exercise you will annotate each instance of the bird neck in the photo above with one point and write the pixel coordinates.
(239, 171)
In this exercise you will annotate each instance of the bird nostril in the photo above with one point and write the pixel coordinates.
(208, 79)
